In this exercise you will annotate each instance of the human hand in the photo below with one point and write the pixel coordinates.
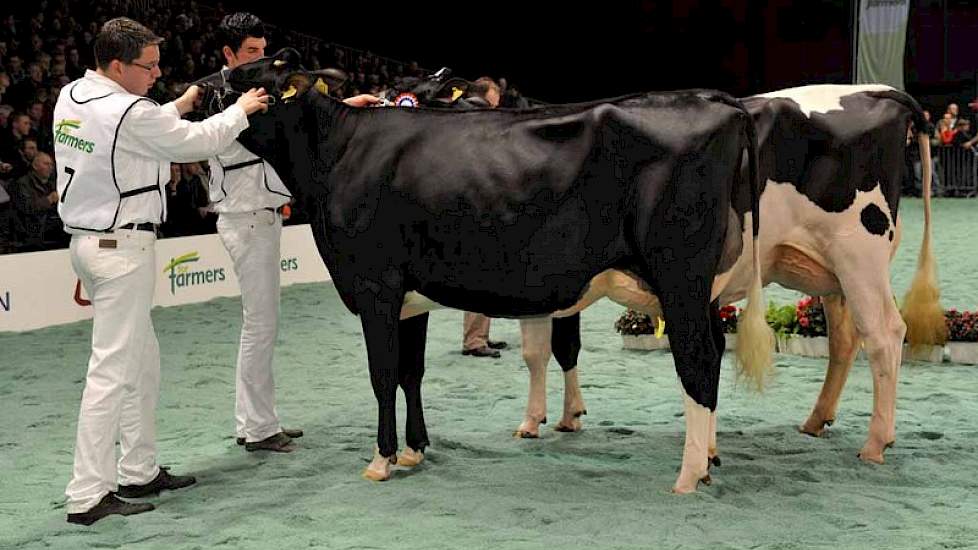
(362, 100)
(187, 102)
(253, 100)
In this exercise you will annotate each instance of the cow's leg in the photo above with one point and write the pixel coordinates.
(687, 310)
(716, 328)
(843, 346)
(565, 341)
(878, 322)
(379, 308)
(536, 353)
(410, 372)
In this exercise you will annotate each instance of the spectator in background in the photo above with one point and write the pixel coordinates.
(952, 114)
(41, 125)
(35, 201)
(484, 92)
(178, 205)
(4, 86)
(15, 68)
(195, 180)
(74, 68)
(930, 129)
(20, 128)
(962, 135)
(945, 130)
(22, 93)
(22, 161)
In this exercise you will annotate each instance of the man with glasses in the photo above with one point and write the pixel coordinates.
(114, 149)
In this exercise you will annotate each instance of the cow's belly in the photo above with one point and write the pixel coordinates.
(794, 268)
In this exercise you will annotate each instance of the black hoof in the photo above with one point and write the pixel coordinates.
(716, 461)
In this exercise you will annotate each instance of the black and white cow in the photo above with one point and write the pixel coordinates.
(511, 213)
(831, 160)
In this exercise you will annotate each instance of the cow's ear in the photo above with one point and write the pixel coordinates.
(333, 79)
(287, 57)
(452, 89)
(321, 86)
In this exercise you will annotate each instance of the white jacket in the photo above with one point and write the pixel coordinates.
(114, 150)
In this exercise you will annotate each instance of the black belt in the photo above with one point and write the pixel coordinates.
(278, 210)
(145, 226)
(244, 164)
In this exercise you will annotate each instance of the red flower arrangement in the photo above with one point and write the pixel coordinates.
(962, 326)
(811, 317)
(728, 318)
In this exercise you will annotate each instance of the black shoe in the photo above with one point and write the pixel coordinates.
(279, 443)
(106, 507)
(497, 345)
(293, 433)
(484, 351)
(163, 481)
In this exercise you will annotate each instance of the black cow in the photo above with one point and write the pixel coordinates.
(511, 213)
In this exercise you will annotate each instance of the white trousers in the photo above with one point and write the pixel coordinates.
(253, 239)
(122, 386)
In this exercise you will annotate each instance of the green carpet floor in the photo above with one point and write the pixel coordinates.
(605, 487)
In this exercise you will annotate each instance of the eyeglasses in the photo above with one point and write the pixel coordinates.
(149, 67)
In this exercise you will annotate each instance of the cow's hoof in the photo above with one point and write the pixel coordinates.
(873, 453)
(410, 458)
(815, 427)
(715, 461)
(572, 425)
(683, 487)
(529, 429)
(379, 468)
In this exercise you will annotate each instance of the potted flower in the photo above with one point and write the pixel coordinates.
(811, 338)
(783, 322)
(962, 335)
(639, 331)
(728, 320)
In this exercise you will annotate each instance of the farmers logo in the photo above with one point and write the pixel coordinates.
(181, 276)
(62, 135)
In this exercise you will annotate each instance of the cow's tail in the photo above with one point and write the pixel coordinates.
(922, 310)
(755, 339)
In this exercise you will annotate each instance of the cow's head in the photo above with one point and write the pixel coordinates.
(281, 75)
(437, 90)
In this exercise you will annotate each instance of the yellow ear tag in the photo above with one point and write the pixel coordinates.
(321, 87)
(289, 93)
(456, 93)
(660, 328)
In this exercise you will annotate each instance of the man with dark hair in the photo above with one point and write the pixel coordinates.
(248, 196)
(113, 148)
